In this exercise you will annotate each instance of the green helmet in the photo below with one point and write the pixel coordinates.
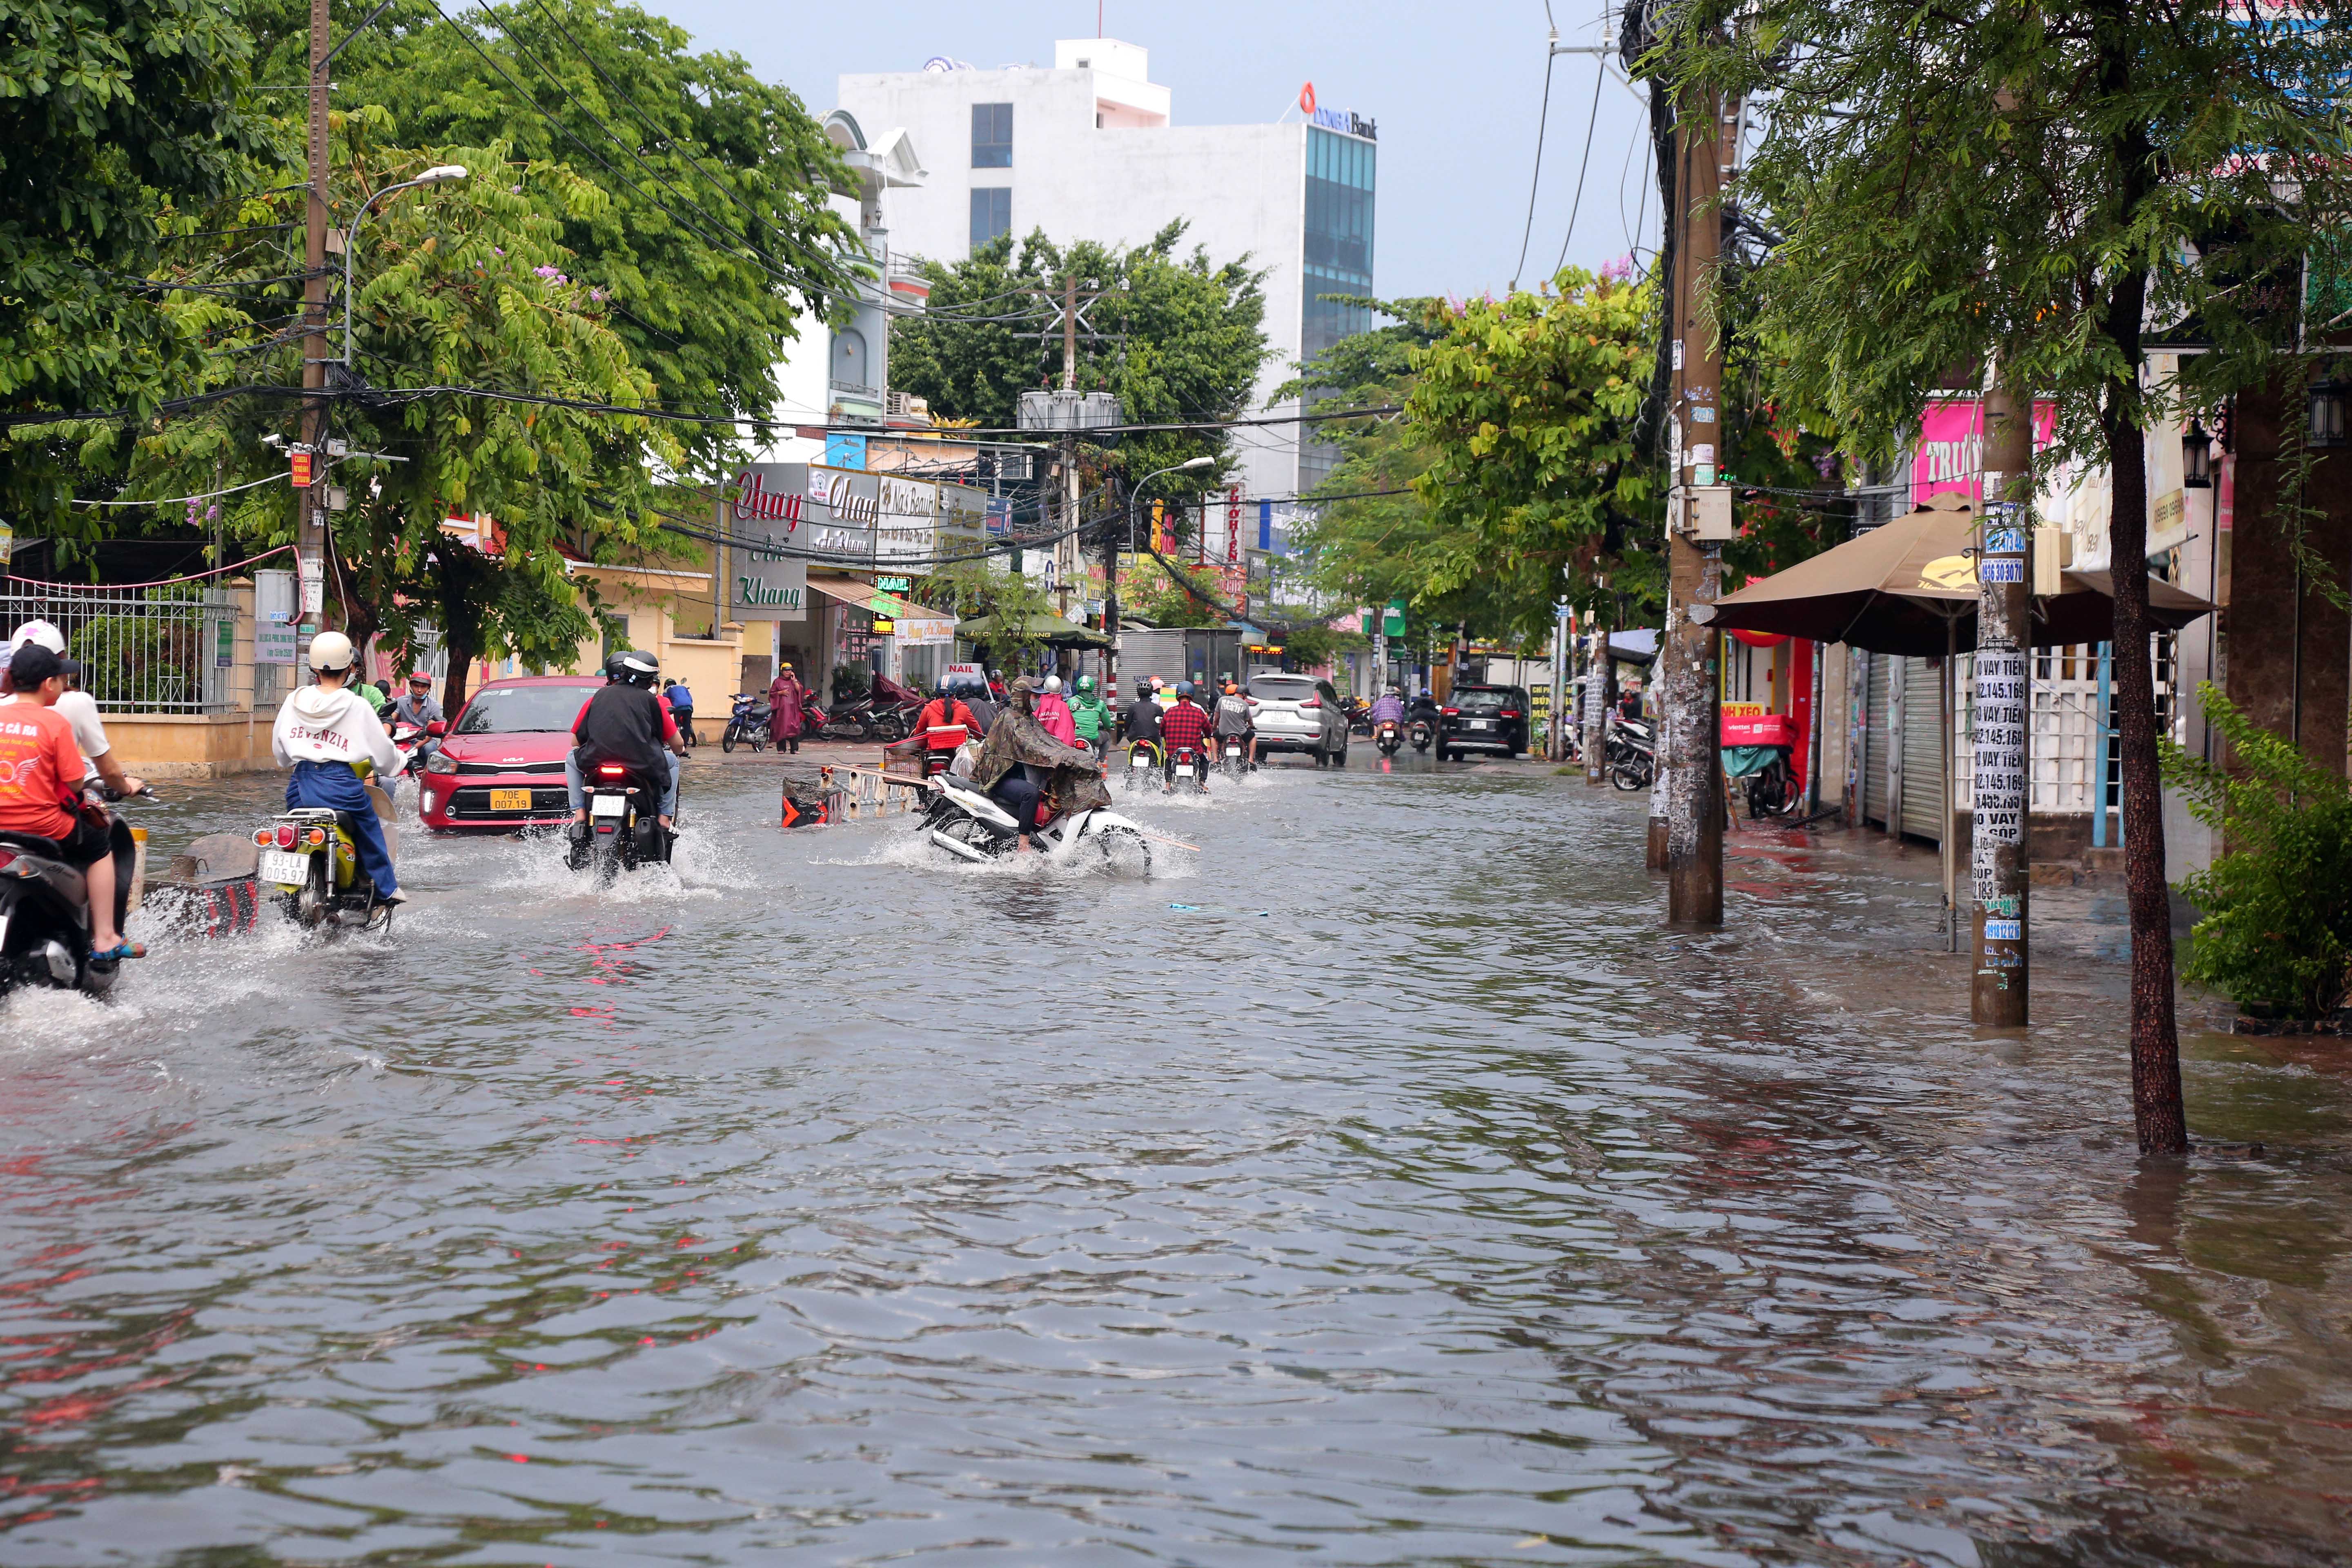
(1086, 683)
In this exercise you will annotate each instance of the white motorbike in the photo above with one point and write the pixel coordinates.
(965, 822)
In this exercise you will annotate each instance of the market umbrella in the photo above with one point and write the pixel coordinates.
(1045, 625)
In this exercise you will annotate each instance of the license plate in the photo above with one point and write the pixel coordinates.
(606, 804)
(283, 868)
(1139, 761)
(1482, 723)
(510, 800)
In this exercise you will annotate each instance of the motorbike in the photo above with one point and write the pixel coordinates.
(45, 915)
(309, 861)
(748, 725)
(1232, 757)
(416, 744)
(1389, 736)
(851, 720)
(1773, 789)
(624, 829)
(1188, 767)
(1360, 717)
(1143, 759)
(1422, 731)
(964, 821)
(1632, 753)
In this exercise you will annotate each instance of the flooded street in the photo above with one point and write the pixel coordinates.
(1378, 1185)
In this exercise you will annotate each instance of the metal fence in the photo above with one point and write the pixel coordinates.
(171, 650)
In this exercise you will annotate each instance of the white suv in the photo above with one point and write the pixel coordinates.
(1298, 713)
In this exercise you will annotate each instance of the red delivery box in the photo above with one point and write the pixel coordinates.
(1758, 730)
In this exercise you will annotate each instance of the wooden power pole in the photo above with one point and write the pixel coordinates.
(2000, 846)
(1690, 653)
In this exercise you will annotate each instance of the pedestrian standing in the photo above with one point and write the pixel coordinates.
(681, 708)
(786, 696)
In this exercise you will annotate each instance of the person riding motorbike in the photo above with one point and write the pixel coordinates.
(1186, 724)
(1424, 707)
(1029, 773)
(322, 732)
(415, 706)
(1387, 708)
(1142, 720)
(1090, 715)
(80, 710)
(1236, 721)
(42, 793)
(1054, 715)
(946, 713)
(627, 723)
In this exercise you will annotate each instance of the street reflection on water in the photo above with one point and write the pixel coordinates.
(1378, 1185)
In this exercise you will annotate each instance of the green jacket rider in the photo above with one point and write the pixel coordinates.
(1089, 712)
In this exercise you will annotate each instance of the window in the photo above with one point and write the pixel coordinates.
(992, 136)
(991, 215)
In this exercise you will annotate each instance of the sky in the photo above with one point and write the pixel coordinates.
(1457, 88)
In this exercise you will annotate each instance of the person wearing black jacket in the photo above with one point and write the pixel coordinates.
(626, 723)
(1142, 720)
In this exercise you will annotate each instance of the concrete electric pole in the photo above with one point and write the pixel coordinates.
(2000, 851)
(1697, 519)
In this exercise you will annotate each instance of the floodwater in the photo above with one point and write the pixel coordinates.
(1377, 1185)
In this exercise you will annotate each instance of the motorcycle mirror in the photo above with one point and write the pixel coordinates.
(436, 729)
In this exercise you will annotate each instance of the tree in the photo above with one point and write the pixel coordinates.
(109, 108)
(1179, 338)
(716, 240)
(977, 588)
(2030, 185)
(461, 285)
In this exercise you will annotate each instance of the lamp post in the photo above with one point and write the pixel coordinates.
(441, 174)
(1111, 566)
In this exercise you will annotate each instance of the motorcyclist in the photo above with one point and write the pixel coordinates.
(323, 732)
(1054, 715)
(946, 711)
(984, 708)
(1142, 723)
(627, 723)
(1186, 724)
(415, 706)
(78, 708)
(1236, 720)
(1629, 701)
(1089, 714)
(1424, 708)
(1387, 708)
(42, 791)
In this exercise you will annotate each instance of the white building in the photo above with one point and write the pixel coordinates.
(1088, 150)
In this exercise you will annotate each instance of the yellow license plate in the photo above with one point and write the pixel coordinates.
(510, 800)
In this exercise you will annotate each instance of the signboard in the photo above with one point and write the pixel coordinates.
(273, 643)
(892, 585)
(1950, 452)
(965, 674)
(905, 527)
(224, 644)
(766, 516)
(314, 587)
(301, 470)
(1000, 516)
(963, 520)
(1393, 619)
(925, 631)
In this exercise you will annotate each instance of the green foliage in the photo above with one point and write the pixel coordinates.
(107, 108)
(2276, 926)
(1308, 643)
(141, 659)
(1177, 337)
(714, 237)
(1150, 594)
(1529, 404)
(978, 588)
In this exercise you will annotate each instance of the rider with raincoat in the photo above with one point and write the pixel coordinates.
(1030, 773)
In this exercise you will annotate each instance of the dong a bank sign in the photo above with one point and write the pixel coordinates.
(1346, 121)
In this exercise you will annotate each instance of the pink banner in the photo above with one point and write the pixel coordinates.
(1950, 455)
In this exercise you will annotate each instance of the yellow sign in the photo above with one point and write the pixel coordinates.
(1740, 709)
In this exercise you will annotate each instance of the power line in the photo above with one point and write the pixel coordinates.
(174, 500)
(1535, 181)
(1599, 73)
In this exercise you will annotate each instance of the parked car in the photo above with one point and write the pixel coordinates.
(501, 765)
(1483, 719)
(1299, 714)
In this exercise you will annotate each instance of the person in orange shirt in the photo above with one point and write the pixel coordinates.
(40, 791)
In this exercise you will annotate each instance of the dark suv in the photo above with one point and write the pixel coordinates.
(1483, 719)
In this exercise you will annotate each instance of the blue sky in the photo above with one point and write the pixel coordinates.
(1456, 88)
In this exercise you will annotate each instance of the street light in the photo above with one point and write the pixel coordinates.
(439, 175)
(2196, 457)
(1201, 462)
(1110, 574)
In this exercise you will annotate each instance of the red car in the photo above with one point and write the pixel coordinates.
(501, 765)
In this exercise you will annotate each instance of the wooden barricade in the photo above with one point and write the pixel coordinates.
(855, 794)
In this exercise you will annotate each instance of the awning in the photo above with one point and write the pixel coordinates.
(1044, 627)
(917, 626)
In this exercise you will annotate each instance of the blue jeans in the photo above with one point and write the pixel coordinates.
(337, 788)
(578, 790)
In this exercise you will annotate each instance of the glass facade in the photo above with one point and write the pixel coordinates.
(992, 136)
(991, 213)
(1340, 181)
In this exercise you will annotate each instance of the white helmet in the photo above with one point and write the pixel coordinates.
(41, 632)
(330, 652)
(1052, 683)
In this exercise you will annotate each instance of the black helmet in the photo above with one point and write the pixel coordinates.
(631, 665)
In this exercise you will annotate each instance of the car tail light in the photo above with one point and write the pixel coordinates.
(612, 769)
(1454, 712)
(1312, 702)
(1509, 713)
(315, 837)
(263, 838)
(8, 859)
(284, 836)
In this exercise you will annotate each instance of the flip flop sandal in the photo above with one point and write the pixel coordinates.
(121, 950)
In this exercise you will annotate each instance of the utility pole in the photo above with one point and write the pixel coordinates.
(1556, 740)
(1689, 654)
(1999, 851)
(1595, 716)
(310, 532)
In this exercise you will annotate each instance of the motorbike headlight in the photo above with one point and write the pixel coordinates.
(440, 763)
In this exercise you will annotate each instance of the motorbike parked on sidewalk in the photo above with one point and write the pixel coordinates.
(624, 829)
(1632, 753)
(45, 926)
(1773, 789)
(748, 725)
(963, 820)
(1389, 735)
